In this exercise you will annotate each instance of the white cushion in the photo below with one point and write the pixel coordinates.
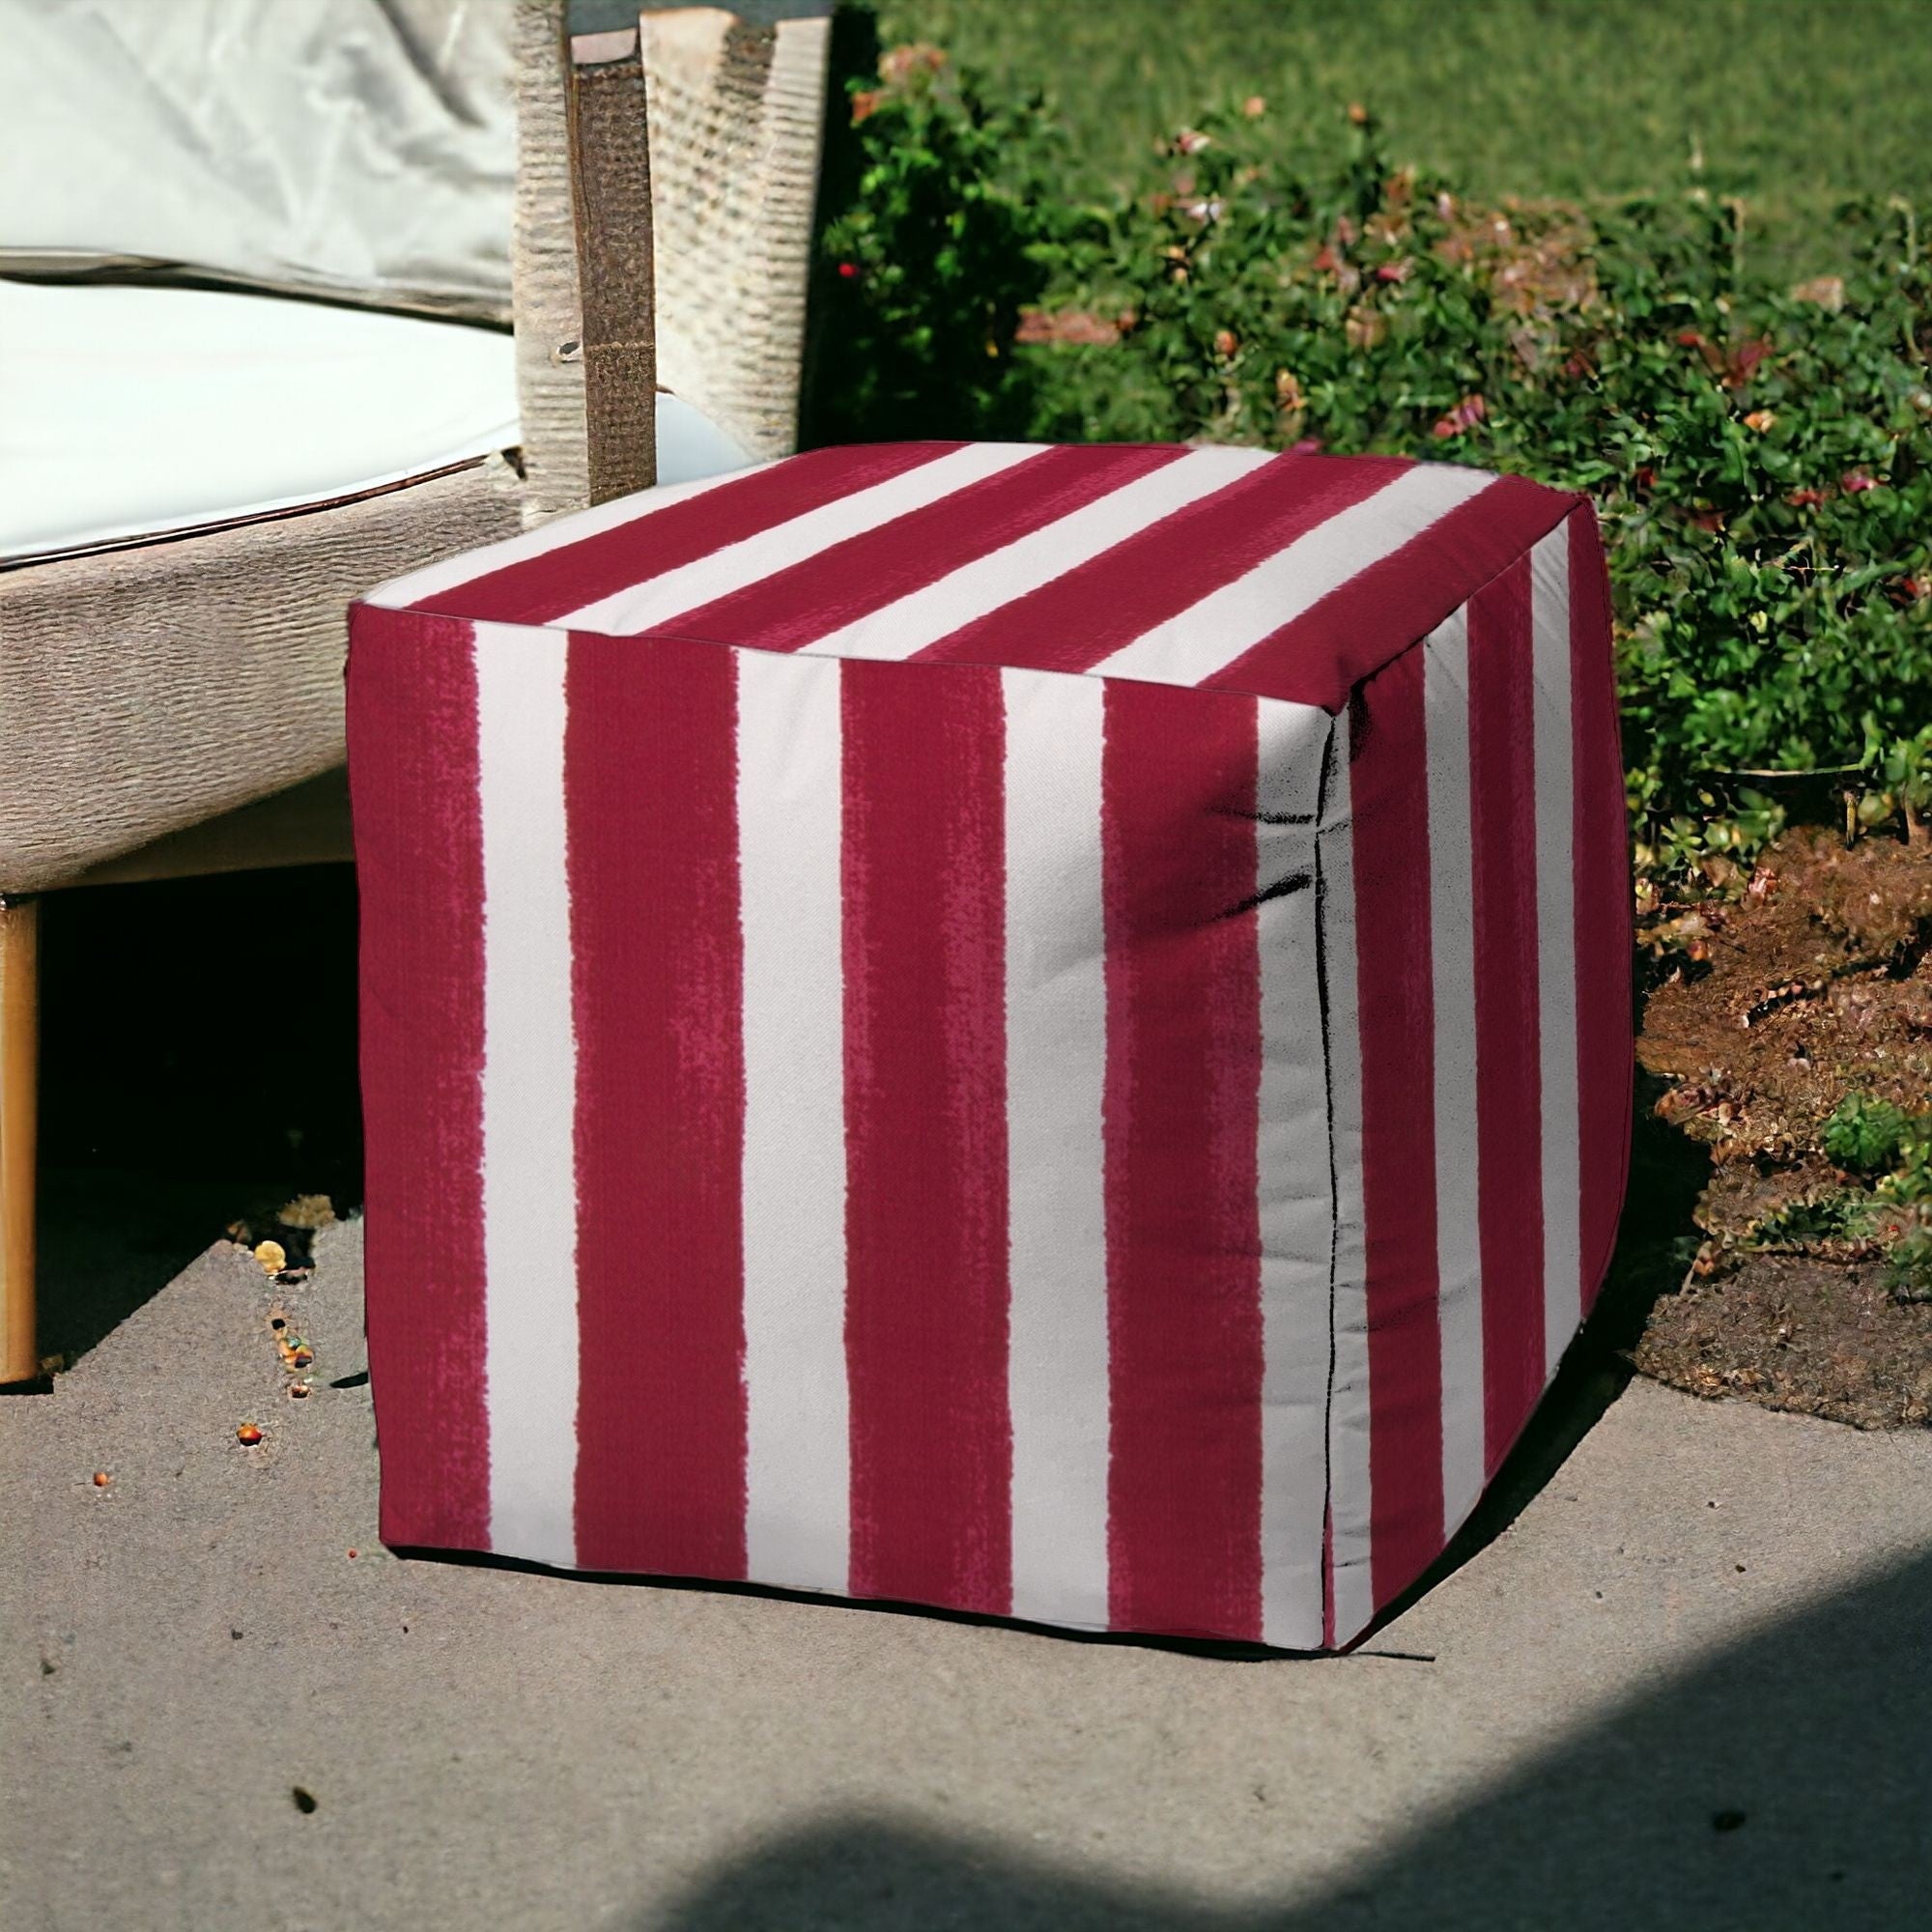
(125, 411)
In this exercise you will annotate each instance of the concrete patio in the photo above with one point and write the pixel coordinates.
(1691, 1685)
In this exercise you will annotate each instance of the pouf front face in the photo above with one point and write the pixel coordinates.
(917, 1046)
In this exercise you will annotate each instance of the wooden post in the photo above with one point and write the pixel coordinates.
(610, 179)
(20, 1064)
(580, 260)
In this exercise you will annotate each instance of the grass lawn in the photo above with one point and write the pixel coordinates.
(1795, 104)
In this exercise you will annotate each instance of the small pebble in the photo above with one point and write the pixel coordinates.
(272, 1257)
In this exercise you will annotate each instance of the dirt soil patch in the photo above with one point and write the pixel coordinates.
(1792, 1331)
(1772, 1007)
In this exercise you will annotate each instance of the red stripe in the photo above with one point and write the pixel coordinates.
(1509, 1156)
(664, 537)
(1321, 655)
(412, 744)
(925, 1135)
(1603, 875)
(1388, 781)
(650, 789)
(866, 573)
(1104, 603)
(1180, 1116)
(1328, 1574)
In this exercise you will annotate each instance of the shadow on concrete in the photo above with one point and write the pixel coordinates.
(1656, 1241)
(1782, 1784)
(197, 1064)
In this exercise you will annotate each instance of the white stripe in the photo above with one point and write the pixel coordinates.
(797, 1453)
(1348, 1499)
(1458, 1260)
(469, 564)
(1216, 630)
(1056, 1075)
(1295, 1200)
(643, 606)
(529, 1093)
(1556, 944)
(974, 590)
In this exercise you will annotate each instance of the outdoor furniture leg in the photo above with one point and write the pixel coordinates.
(19, 1054)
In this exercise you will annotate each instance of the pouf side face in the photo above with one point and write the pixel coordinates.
(1482, 1118)
(894, 1121)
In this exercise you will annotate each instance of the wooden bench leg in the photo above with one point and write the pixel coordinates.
(20, 1064)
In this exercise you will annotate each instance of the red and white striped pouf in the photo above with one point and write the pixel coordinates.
(1043, 1030)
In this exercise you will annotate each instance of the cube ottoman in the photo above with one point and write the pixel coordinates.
(1040, 1031)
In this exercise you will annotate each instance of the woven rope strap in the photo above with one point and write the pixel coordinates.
(613, 178)
(587, 369)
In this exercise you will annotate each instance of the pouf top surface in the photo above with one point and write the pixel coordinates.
(1285, 576)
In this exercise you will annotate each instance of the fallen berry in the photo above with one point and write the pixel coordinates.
(272, 1257)
(101, 1479)
(298, 1390)
(247, 1434)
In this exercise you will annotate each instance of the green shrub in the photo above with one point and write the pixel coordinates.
(1874, 1137)
(926, 268)
(1865, 1135)
(1761, 458)
(1910, 1263)
(1908, 1188)
(1910, 1181)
